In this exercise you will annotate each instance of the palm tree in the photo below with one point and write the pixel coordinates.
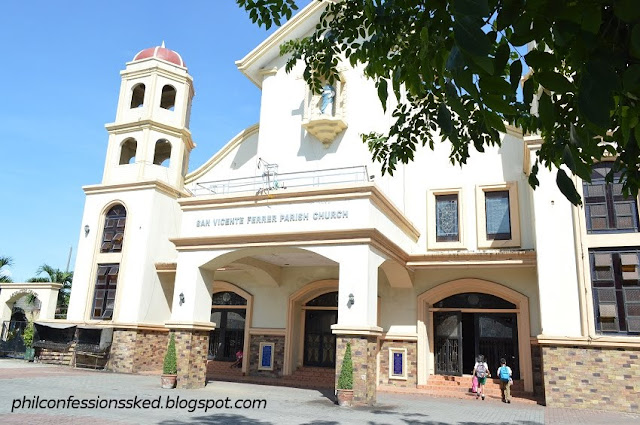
(5, 261)
(56, 276)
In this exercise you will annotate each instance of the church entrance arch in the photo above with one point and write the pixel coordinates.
(312, 311)
(459, 319)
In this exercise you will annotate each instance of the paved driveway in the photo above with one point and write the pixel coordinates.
(121, 399)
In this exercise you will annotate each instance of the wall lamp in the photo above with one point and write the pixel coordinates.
(181, 298)
(351, 301)
(86, 230)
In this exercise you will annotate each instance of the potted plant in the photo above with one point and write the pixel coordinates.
(169, 366)
(27, 338)
(345, 380)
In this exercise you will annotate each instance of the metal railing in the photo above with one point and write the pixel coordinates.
(271, 180)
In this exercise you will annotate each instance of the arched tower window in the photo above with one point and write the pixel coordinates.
(137, 96)
(128, 151)
(168, 99)
(162, 153)
(113, 233)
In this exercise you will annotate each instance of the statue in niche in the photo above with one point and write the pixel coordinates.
(328, 95)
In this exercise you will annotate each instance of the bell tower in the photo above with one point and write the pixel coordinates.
(150, 138)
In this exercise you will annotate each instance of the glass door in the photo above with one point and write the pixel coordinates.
(448, 343)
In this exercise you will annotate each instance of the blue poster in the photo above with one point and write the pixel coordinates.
(397, 364)
(266, 356)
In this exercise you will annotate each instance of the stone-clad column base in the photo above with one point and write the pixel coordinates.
(363, 355)
(191, 350)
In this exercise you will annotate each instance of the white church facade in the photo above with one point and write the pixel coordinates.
(288, 243)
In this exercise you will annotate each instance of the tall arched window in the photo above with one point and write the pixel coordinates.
(128, 151)
(162, 153)
(137, 96)
(229, 313)
(113, 233)
(168, 99)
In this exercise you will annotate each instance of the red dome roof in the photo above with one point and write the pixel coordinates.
(160, 52)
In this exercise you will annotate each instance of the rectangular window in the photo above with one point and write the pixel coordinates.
(447, 218)
(105, 292)
(616, 290)
(606, 209)
(498, 219)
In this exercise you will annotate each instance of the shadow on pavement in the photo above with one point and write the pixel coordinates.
(217, 419)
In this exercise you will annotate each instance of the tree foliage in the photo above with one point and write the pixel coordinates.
(55, 275)
(455, 68)
(5, 261)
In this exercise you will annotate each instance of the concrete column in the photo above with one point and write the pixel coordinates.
(358, 321)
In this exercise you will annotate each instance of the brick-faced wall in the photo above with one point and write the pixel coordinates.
(151, 347)
(192, 347)
(134, 351)
(123, 347)
(594, 378)
(411, 362)
(363, 355)
(278, 355)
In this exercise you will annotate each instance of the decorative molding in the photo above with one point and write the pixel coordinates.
(267, 331)
(222, 153)
(28, 287)
(196, 326)
(166, 267)
(597, 342)
(399, 337)
(126, 127)
(489, 258)
(143, 185)
(339, 329)
(274, 41)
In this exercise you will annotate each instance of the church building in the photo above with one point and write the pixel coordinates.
(289, 243)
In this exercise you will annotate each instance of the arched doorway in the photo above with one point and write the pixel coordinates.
(494, 296)
(468, 324)
(229, 313)
(319, 342)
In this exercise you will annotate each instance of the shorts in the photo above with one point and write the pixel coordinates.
(482, 381)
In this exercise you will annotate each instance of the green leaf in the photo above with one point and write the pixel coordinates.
(627, 10)
(545, 111)
(568, 189)
(527, 91)
(567, 158)
(507, 14)
(591, 18)
(444, 119)
(455, 60)
(493, 120)
(554, 82)
(494, 85)
(383, 93)
(631, 79)
(515, 73)
(478, 8)
(594, 94)
(501, 57)
(540, 60)
(635, 40)
(470, 37)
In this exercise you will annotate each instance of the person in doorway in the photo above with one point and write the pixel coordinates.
(504, 373)
(238, 362)
(481, 371)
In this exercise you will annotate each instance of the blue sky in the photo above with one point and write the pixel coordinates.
(60, 64)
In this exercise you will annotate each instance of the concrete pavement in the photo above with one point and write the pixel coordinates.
(65, 390)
